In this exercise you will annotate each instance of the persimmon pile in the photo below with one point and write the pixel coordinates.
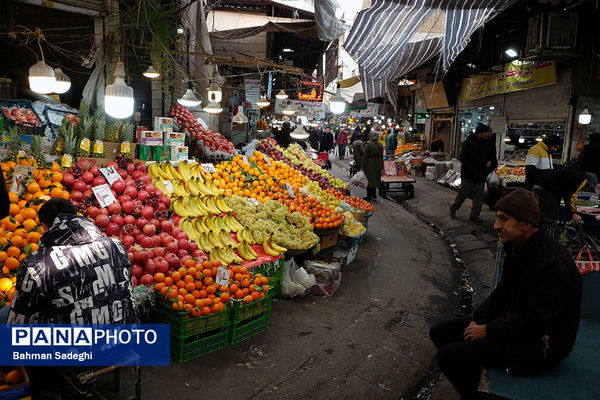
(192, 288)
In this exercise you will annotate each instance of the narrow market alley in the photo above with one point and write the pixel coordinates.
(370, 339)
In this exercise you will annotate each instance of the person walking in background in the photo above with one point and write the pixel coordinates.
(327, 141)
(391, 143)
(539, 159)
(366, 134)
(342, 142)
(357, 152)
(372, 165)
(529, 322)
(437, 145)
(313, 138)
(478, 159)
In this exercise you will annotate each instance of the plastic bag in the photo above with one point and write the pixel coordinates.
(327, 276)
(295, 282)
(360, 179)
(492, 179)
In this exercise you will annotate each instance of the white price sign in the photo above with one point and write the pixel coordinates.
(111, 175)
(21, 177)
(104, 195)
(252, 201)
(290, 189)
(222, 278)
(209, 168)
(266, 158)
(169, 185)
(245, 160)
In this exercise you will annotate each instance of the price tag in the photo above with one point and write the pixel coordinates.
(222, 278)
(252, 201)
(245, 160)
(85, 144)
(66, 161)
(21, 177)
(104, 195)
(290, 189)
(111, 175)
(169, 186)
(266, 158)
(209, 168)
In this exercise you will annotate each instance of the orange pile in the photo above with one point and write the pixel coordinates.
(192, 288)
(407, 147)
(21, 230)
(355, 202)
(256, 179)
(320, 216)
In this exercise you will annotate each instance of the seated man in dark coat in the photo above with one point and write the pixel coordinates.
(530, 320)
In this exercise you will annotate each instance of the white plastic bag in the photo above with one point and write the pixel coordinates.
(294, 280)
(360, 179)
(492, 179)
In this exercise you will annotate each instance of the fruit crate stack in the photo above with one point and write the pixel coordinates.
(192, 337)
(250, 319)
(274, 271)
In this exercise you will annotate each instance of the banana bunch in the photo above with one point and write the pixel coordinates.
(195, 206)
(158, 183)
(246, 251)
(272, 248)
(164, 170)
(189, 171)
(244, 235)
(196, 187)
(226, 255)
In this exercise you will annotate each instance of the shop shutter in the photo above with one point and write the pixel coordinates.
(95, 5)
(546, 103)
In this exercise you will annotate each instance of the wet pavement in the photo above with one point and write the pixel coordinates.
(368, 341)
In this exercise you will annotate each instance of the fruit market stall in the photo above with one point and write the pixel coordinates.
(511, 176)
(207, 241)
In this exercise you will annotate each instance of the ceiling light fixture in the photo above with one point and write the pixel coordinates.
(521, 139)
(288, 110)
(189, 99)
(41, 78)
(263, 102)
(62, 81)
(118, 97)
(240, 118)
(299, 133)
(337, 104)
(511, 53)
(281, 95)
(151, 73)
(287, 50)
(213, 107)
(585, 117)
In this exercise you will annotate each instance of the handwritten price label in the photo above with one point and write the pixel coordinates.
(169, 186)
(104, 195)
(245, 160)
(252, 201)
(289, 189)
(222, 278)
(209, 168)
(267, 160)
(21, 177)
(111, 175)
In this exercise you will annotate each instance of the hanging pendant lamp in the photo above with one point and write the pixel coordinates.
(62, 82)
(118, 97)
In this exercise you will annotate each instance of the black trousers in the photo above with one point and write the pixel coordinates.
(461, 361)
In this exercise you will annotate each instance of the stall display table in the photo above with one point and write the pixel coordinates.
(402, 183)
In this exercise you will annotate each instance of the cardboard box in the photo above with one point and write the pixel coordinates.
(174, 138)
(359, 216)
(163, 124)
(328, 241)
(152, 138)
(21, 391)
(112, 149)
(179, 153)
(138, 132)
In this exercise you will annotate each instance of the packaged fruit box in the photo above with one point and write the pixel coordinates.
(14, 383)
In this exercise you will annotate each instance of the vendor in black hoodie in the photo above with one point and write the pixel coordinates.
(555, 185)
(530, 321)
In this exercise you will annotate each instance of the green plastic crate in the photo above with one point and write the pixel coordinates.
(184, 326)
(246, 329)
(183, 350)
(274, 271)
(241, 311)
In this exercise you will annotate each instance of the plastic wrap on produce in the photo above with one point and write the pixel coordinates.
(216, 155)
(250, 148)
(450, 178)
(296, 281)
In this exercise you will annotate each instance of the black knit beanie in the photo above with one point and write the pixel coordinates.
(521, 204)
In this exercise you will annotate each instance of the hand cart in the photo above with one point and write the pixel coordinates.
(393, 175)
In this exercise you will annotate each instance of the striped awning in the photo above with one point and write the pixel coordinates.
(391, 38)
(329, 26)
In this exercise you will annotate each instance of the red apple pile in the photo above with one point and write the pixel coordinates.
(211, 140)
(139, 218)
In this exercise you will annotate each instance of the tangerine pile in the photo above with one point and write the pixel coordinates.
(10, 378)
(256, 179)
(320, 216)
(21, 230)
(355, 202)
(193, 289)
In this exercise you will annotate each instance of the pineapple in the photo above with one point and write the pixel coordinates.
(111, 133)
(36, 151)
(126, 136)
(85, 131)
(70, 141)
(99, 131)
(14, 144)
(84, 110)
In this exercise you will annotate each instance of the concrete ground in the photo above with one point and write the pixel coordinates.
(368, 341)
